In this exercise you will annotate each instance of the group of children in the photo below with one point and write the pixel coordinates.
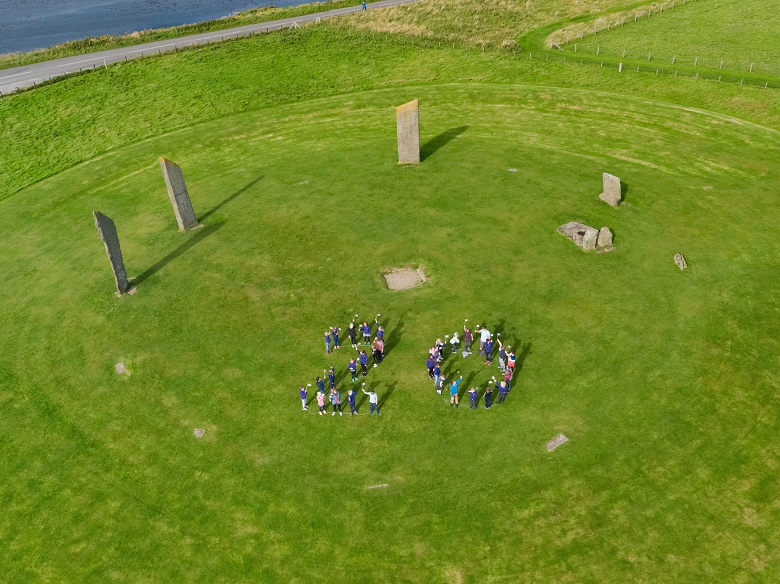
(506, 360)
(332, 343)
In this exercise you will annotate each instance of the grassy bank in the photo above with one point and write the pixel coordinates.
(102, 43)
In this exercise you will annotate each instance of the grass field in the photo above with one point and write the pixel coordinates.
(664, 381)
(703, 32)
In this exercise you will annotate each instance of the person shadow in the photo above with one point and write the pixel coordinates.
(522, 356)
(393, 337)
(385, 395)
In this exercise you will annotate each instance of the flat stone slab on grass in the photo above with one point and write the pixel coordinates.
(556, 442)
(199, 432)
(582, 235)
(404, 278)
(120, 368)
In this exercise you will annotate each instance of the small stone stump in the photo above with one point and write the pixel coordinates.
(679, 261)
(582, 235)
(556, 442)
(108, 234)
(177, 193)
(407, 117)
(605, 237)
(611, 194)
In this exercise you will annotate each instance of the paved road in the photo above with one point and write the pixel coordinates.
(29, 75)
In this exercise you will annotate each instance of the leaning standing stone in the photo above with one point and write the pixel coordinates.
(108, 234)
(605, 237)
(611, 194)
(680, 262)
(407, 117)
(177, 192)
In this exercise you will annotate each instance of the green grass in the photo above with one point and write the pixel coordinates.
(664, 381)
(105, 42)
(704, 32)
(54, 127)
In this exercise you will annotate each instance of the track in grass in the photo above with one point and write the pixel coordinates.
(663, 381)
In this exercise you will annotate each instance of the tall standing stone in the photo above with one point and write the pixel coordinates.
(177, 192)
(407, 117)
(611, 194)
(108, 234)
(605, 237)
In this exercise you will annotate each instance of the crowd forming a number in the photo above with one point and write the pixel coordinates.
(375, 341)
(506, 365)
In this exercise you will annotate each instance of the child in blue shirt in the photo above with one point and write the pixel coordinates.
(332, 377)
(489, 352)
(473, 396)
(364, 362)
(335, 399)
(327, 342)
(320, 385)
(454, 391)
(352, 366)
(351, 401)
(366, 330)
(304, 394)
(430, 364)
(335, 333)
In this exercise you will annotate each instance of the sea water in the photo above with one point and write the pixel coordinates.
(30, 24)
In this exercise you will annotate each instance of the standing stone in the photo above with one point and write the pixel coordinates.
(611, 194)
(605, 237)
(177, 192)
(589, 239)
(680, 262)
(107, 230)
(407, 117)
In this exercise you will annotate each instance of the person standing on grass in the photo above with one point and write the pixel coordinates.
(380, 350)
(484, 335)
(488, 396)
(321, 401)
(438, 382)
(304, 394)
(320, 385)
(366, 330)
(380, 332)
(373, 401)
(503, 390)
(511, 360)
(439, 350)
(352, 334)
(454, 391)
(508, 377)
(454, 342)
(352, 366)
(502, 356)
(327, 342)
(363, 5)
(335, 400)
(489, 351)
(468, 338)
(430, 363)
(351, 401)
(473, 396)
(364, 362)
(332, 377)
(335, 333)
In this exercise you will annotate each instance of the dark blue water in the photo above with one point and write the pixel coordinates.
(32, 24)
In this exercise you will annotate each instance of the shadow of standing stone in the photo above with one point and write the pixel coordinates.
(177, 193)
(407, 117)
(108, 234)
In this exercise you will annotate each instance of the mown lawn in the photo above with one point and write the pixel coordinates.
(664, 381)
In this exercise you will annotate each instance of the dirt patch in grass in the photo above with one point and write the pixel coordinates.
(404, 278)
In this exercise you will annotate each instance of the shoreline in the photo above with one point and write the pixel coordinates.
(100, 43)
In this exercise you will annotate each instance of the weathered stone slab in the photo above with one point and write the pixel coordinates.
(679, 261)
(582, 235)
(605, 237)
(177, 193)
(108, 234)
(120, 368)
(611, 194)
(556, 442)
(407, 117)
(199, 432)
